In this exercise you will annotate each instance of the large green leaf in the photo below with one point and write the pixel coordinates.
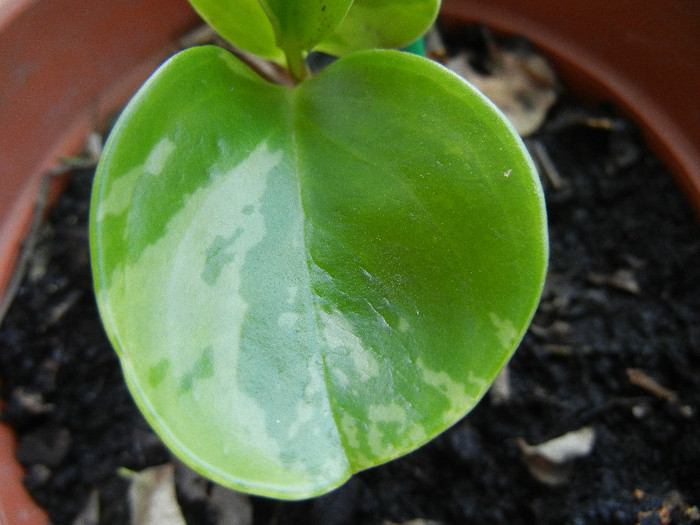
(303, 283)
(381, 23)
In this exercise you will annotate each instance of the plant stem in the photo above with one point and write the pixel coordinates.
(297, 65)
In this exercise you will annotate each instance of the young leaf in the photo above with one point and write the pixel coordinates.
(303, 283)
(381, 24)
(302, 24)
(243, 23)
(279, 30)
(324, 25)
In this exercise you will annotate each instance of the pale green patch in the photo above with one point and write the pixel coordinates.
(306, 411)
(481, 383)
(379, 440)
(338, 334)
(349, 429)
(188, 236)
(288, 319)
(506, 332)
(416, 433)
(455, 391)
(118, 199)
(159, 156)
(121, 190)
(340, 377)
(389, 413)
(292, 293)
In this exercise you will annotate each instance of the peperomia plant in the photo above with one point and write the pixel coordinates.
(305, 282)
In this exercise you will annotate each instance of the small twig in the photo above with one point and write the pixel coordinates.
(622, 279)
(28, 246)
(549, 169)
(68, 164)
(200, 35)
(637, 377)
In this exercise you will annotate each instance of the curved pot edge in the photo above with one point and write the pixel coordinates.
(680, 153)
(655, 90)
(16, 506)
(70, 107)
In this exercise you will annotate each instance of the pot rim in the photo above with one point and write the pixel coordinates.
(645, 59)
(56, 89)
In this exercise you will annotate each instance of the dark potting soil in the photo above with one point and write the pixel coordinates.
(622, 302)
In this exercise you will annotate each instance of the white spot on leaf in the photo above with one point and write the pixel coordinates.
(288, 319)
(505, 330)
(159, 156)
(338, 335)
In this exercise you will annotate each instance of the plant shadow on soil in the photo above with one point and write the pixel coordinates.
(622, 293)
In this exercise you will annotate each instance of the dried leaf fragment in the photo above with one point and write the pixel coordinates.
(551, 462)
(622, 279)
(637, 377)
(522, 84)
(152, 499)
(500, 392)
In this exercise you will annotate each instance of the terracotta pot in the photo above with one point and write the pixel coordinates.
(642, 55)
(67, 64)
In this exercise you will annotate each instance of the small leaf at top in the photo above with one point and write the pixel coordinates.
(303, 283)
(302, 24)
(325, 25)
(381, 24)
(243, 23)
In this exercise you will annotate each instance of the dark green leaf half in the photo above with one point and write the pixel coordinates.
(303, 283)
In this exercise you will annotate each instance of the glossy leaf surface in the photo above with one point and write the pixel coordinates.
(303, 283)
(302, 24)
(367, 24)
(244, 23)
(381, 24)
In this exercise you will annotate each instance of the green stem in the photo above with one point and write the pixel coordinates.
(297, 66)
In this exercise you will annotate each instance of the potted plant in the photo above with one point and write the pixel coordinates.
(321, 293)
(446, 7)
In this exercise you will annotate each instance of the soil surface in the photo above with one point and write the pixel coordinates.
(614, 347)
